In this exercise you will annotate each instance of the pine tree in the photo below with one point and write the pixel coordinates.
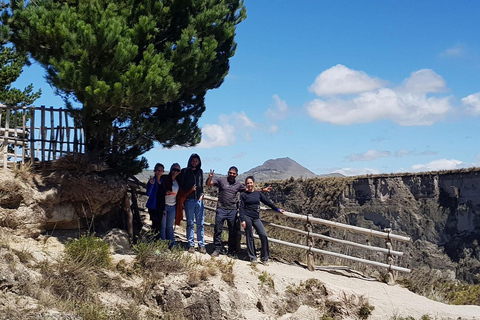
(11, 65)
(139, 68)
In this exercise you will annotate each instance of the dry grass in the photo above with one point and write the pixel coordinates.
(154, 255)
(23, 171)
(266, 280)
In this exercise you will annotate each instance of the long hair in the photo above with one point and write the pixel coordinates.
(194, 155)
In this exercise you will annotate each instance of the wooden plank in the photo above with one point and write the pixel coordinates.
(75, 138)
(15, 147)
(339, 255)
(51, 152)
(17, 131)
(345, 242)
(7, 127)
(32, 136)
(67, 132)
(24, 129)
(60, 128)
(380, 234)
(43, 133)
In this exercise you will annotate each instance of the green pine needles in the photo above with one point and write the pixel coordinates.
(140, 69)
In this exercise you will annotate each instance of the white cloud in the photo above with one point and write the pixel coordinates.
(424, 81)
(224, 134)
(214, 135)
(442, 164)
(342, 80)
(368, 156)
(457, 50)
(472, 102)
(407, 105)
(279, 110)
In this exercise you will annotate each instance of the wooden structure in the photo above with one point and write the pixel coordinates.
(389, 253)
(30, 134)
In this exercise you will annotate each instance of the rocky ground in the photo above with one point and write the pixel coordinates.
(276, 291)
(36, 282)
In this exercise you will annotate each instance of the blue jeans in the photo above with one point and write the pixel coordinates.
(166, 230)
(194, 210)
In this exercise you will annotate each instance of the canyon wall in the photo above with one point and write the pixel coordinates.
(440, 211)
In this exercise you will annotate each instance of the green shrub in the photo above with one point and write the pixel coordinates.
(365, 311)
(88, 251)
(154, 255)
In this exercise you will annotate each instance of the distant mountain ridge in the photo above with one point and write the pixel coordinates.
(278, 169)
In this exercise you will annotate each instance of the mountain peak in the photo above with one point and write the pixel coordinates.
(279, 169)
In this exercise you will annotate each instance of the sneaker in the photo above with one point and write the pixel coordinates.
(215, 253)
(202, 250)
(253, 260)
(191, 250)
(265, 263)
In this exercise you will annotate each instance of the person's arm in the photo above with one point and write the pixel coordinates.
(268, 202)
(150, 184)
(266, 189)
(242, 211)
(201, 185)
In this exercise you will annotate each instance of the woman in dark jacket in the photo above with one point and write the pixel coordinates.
(191, 179)
(250, 217)
(156, 199)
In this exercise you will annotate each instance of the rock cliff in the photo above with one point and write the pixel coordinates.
(439, 210)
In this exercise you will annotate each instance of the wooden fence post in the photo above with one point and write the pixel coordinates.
(32, 136)
(310, 262)
(128, 211)
(390, 278)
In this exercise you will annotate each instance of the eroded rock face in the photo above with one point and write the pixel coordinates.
(58, 200)
(442, 209)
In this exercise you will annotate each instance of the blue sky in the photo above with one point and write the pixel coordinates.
(352, 87)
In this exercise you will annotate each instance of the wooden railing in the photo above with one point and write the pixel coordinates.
(388, 236)
(37, 134)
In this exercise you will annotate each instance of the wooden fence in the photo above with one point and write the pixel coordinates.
(37, 134)
(388, 251)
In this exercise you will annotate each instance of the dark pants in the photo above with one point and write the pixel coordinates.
(258, 225)
(156, 218)
(220, 217)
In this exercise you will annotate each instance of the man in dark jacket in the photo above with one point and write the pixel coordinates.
(191, 178)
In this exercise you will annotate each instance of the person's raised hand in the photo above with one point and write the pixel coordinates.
(211, 173)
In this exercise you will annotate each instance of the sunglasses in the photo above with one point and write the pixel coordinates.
(175, 170)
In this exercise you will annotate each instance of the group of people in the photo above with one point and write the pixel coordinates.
(182, 189)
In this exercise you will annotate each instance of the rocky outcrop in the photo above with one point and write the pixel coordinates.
(33, 203)
(439, 208)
